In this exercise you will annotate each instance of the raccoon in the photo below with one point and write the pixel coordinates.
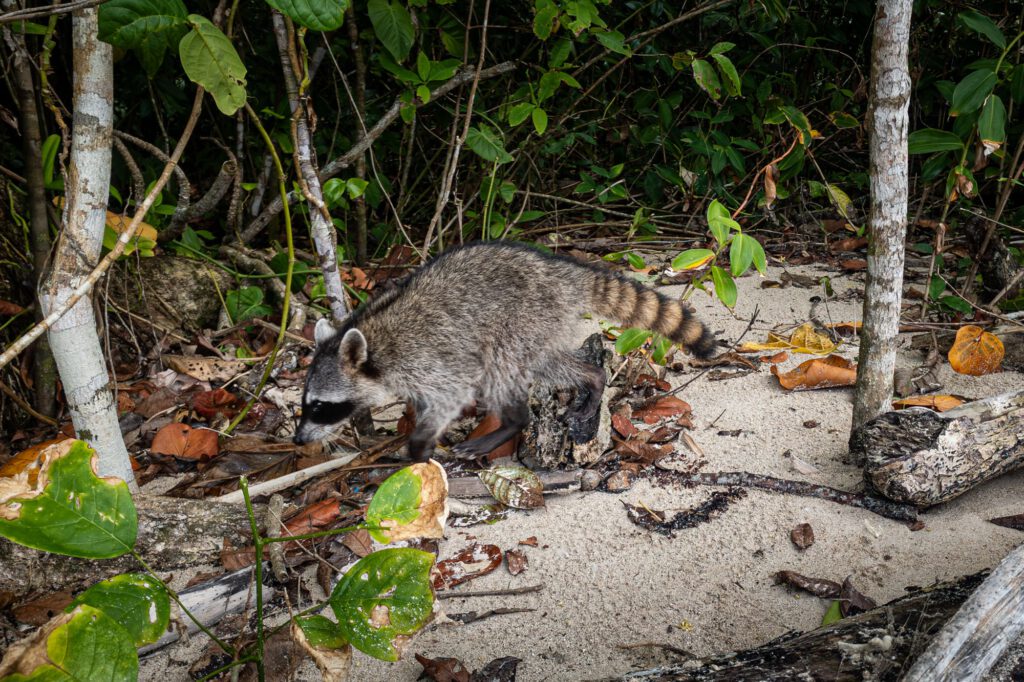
(479, 323)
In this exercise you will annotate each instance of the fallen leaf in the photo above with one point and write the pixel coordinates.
(848, 244)
(499, 670)
(651, 380)
(516, 561)
(359, 541)
(810, 424)
(854, 264)
(335, 663)
(802, 536)
(620, 481)
(665, 407)
(181, 440)
(205, 368)
(210, 404)
(622, 424)
(489, 424)
(803, 467)
(443, 669)
(829, 372)
(774, 359)
(852, 602)
(316, 516)
(40, 611)
(530, 541)
(845, 329)
(8, 308)
(472, 562)
(1016, 521)
(803, 340)
(819, 587)
(639, 451)
(975, 352)
(939, 403)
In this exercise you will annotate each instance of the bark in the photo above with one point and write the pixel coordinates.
(360, 107)
(986, 625)
(324, 236)
(73, 337)
(888, 122)
(876, 645)
(173, 534)
(924, 458)
(44, 371)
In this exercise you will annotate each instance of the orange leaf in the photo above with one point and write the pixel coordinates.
(314, 517)
(975, 352)
(181, 440)
(669, 406)
(624, 426)
(939, 403)
(829, 372)
(209, 404)
(24, 459)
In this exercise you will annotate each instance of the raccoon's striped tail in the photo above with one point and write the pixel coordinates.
(635, 305)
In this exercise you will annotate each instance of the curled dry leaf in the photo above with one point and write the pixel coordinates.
(976, 352)
(848, 244)
(514, 486)
(802, 536)
(516, 561)
(651, 380)
(210, 404)
(530, 541)
(639, 451)
(852, 602)
(939, 403)
(432, 507)
(664, 408)
(854, 264)
(443, 669)
(771, 176)
(1016, 521)
(829, 372)
(472, 562)
(184, 442)
(819, 587)
(803, 340)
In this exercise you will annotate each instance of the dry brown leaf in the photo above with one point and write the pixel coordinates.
(516, 561)
(802, 536)
(623, 426)
(8, 308)
(774, 359)
(443, 669)
(845, 329)
(939, 403)
(848, 244)
(209, 404)
(530, 541)
(315, 517)
(665, 407)
(771, 176)
(39, 611)
(472, 562)
(829, 372)
(489, 424)
(182, 441)
(854, 264)
(334, 664)
(205, 368)
(976, 352)
(803, 340)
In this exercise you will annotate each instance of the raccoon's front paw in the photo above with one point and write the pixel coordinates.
(473, 447)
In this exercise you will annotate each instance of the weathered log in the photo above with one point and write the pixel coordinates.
(551, 440)
(554, 482)
(974, 639)
(877, 645)
(174, 533)
(924, 458)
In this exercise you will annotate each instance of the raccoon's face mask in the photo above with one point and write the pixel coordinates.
(337, 383)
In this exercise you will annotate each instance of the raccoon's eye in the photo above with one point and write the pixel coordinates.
(320, 412)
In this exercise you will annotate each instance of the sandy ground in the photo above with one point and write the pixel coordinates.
(608, 583)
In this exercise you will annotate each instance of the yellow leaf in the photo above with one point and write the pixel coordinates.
(119, 223)
(976, 352)
(803, 340)
(841, 200)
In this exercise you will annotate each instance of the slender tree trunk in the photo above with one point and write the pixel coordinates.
(44, 371)
(74, 338)
(888, 122)
(360, 107)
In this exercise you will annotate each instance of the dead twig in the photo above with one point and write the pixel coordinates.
(491, 593)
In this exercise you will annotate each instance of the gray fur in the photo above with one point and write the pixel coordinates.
(478, 323)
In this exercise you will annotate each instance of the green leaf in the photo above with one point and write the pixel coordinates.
(721, 48)
(972, 91)
(210, 60)
(385, 595)
(519, 113)
(992, 123)
(979, 22)
(568, 80)
(392, 24)
(559, 52)
(798, 120)
(741, 254)
(279, 264)
(692, 259)
(631, 339)
(318, 15)
(833, 615)
(423, 94)
(956, 303)
(76, 513)
(549, 82)
(138, 602)
(760, 261)
(660, 349)
(321, 632)
(725, 287)
(931, 140)
(935, 287)
(635, 260)
(545, 19)
(840, 199)
(356, 187)
(246, 303)
(148, 27)
(396, 500)
(49, 153)
(485, 143)
(540, 120)
(442, 71)
(704, 75)
(423, 66)
(614, 41)
(387, 62)
(841, 119)
(730, 78)
(1017, 83)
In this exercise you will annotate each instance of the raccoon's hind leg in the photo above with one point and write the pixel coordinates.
(514, 419)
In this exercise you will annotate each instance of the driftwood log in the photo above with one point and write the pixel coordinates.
(878, 645)
(174, 533)
(551, 440)
(921, 457)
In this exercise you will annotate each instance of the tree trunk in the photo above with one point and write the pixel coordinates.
(888, 122)
(44, 371)
(74, 338)
(924, 458)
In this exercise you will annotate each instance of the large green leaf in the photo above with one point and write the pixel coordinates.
(385, 595)
(149, 27)
(725, 287)
(396, 501)
(933, 140)
(138, 602)
(631, 339)
(75, 513)
(730, 78)
(319, 15)
(741, 254)
(393, 25)
(484, 141)
(974, 19)
(706, 78)
(210, 60)
(692, 259)
(992, 123)
(246, 303)
(520, 113)
(545, 18)
(969, 93)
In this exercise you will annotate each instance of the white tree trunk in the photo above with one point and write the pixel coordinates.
(887, 123)
(74, 338)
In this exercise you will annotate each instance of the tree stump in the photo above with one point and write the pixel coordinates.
(923, 458)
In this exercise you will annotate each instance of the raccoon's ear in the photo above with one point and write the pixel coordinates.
(323, 331)
(353, 348)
